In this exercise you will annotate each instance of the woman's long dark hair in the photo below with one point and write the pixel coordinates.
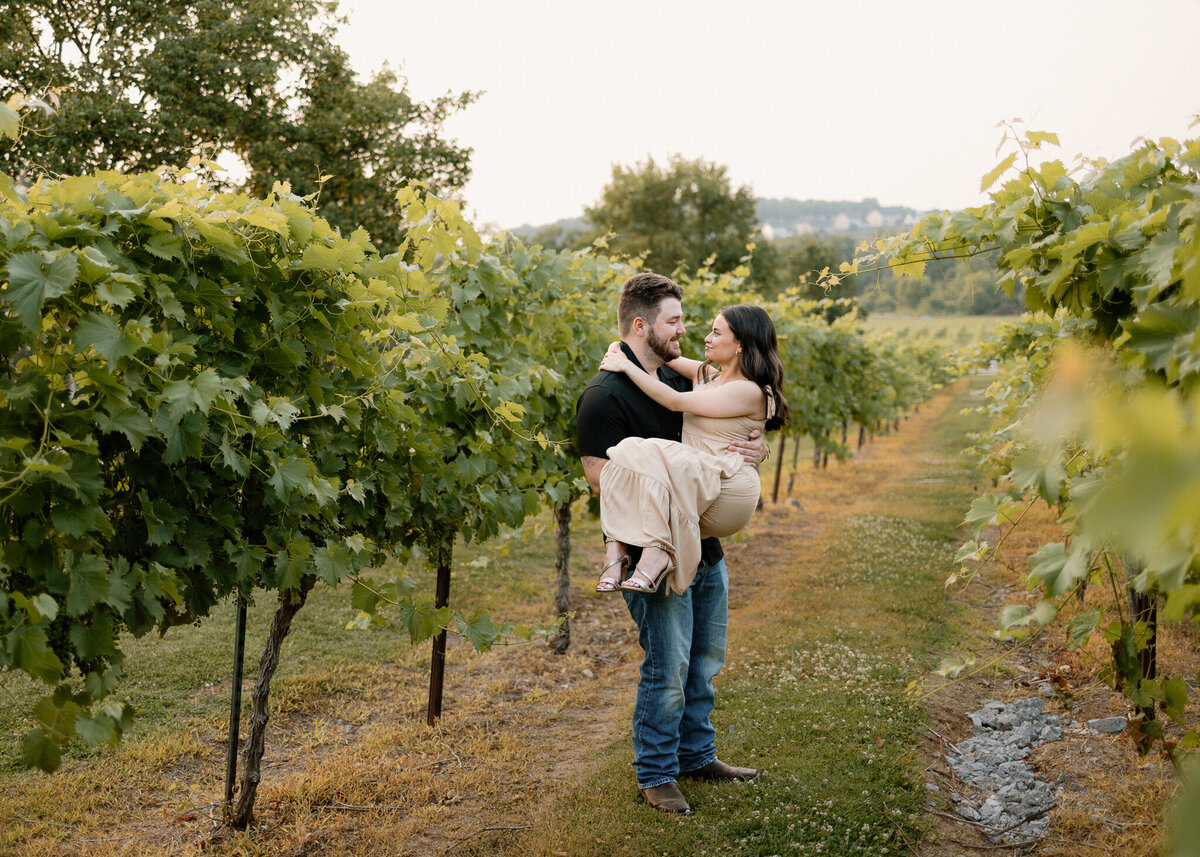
(760, 362)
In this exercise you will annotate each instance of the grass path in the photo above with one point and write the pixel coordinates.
(836, 603)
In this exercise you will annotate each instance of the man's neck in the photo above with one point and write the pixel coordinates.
(649, 360)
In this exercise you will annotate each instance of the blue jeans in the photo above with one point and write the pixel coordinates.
(683, 637)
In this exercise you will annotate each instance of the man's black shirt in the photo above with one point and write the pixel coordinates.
(612, 408)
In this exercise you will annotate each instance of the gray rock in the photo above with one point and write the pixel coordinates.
(1024, 734)
(1108, 725)
(991, 760)
(985, 718)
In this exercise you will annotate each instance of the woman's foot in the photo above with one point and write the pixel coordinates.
(615, 561)
(652, 569)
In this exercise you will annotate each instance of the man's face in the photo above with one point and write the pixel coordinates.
(662, 337)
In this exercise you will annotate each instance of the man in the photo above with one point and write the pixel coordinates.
(683, 636)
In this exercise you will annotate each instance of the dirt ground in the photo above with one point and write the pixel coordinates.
(521, 728)
(1111, 797)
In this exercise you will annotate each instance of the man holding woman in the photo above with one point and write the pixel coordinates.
(682, 634)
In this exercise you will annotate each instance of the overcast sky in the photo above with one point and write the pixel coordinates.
(831, 100)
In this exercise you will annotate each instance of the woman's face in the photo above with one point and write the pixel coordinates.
(720, 346)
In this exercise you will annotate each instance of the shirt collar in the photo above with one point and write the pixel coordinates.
(629, 353)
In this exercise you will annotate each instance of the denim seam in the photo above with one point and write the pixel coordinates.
(639, 721)
(655, 783)
(708, 761)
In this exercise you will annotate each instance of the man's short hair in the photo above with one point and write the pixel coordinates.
(641, 296)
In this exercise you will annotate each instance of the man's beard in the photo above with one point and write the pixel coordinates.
(666, 349)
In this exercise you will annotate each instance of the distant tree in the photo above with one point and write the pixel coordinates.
(558, 236)
(678, 215)
(798, 260)
(865, 217)
(146, 83)
(954, 287)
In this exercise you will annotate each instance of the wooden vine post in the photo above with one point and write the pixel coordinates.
(562, 577)
(437, 662)
(795, 463)
(1143, 608)
(778, 474)
(235, 700)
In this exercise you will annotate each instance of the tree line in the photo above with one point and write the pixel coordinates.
(266, 85)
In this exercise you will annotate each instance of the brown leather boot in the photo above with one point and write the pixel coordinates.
(667, 798)
(718, 770)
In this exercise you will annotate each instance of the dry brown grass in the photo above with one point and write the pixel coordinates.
(351, 767)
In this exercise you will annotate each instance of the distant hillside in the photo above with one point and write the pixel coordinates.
(563, 226)
(783, 217)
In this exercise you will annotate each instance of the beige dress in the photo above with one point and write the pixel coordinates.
(670, 494)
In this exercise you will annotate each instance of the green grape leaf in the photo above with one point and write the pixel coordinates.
(94, 265)
(29, 650)
(990, 178)
(89, 583)
(36, 277)
(57, 714)
(291, 473)
(10, 122)
(132, 423)
(363, 597)
(1080, 629)
(188, 394)
(96, 730)
(1020, 615)
(1030, 471)
(270, 219)
(41, 751)
(100, 332)
(165, 245)
(45, 605)
(117, 290)
(1183, 828)
(1181, 601)
(1038, 138)
(332, 562)
(1175, 698)
(418, 618)
(983, 512)
(479, 630)
(1046, 566)
(94, 639)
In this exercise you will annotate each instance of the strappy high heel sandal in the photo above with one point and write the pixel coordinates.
(652, 584)
(609, 584)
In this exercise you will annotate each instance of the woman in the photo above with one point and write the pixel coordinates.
(665, 496)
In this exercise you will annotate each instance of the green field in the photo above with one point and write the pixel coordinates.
(952, 330)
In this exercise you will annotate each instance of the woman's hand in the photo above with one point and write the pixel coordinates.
(614, 359)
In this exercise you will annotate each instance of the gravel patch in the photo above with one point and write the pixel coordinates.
(1015, 806)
